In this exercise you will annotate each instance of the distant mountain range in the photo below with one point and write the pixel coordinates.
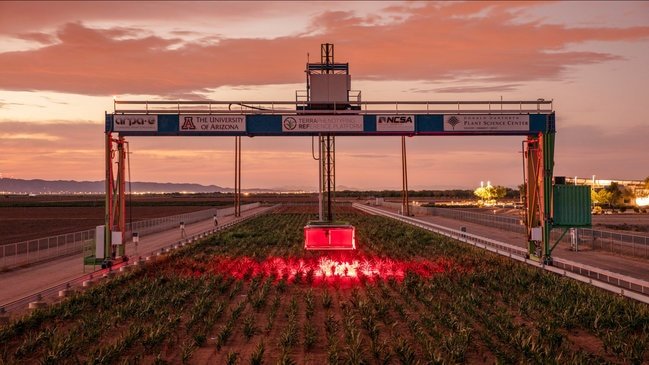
(38, 186)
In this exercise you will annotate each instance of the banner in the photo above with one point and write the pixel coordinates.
(395, 123)
(322, 123)
(128, 123)
(211, 123)
(486, 122)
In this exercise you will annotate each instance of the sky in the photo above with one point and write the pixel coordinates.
(63, 63)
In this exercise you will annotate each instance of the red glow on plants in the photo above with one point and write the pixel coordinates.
(327, 268)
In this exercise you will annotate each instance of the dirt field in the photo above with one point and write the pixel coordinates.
(21, 224)
(28, 217)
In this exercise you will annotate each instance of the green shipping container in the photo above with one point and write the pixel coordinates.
(571, 206)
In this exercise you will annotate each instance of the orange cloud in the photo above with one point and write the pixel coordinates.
(432, 42)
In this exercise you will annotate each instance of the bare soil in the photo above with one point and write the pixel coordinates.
(24, 223)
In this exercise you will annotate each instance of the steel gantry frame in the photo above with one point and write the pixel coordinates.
(329, 108)
(266, 119)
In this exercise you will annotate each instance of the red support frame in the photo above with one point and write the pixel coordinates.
(115, 216)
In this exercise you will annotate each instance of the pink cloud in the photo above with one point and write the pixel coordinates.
(434, 42)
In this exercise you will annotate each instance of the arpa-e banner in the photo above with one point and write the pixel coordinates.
(322, 123)
(395, 123)
(211, 123)
(128, 123)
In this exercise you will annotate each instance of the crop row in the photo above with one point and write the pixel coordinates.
(251, 295)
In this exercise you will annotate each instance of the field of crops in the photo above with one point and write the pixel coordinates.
(251, 295)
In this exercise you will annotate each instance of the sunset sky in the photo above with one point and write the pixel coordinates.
(62, 63)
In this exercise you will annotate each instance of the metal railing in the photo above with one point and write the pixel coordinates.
(539, 106)
(614, 242)
(43, 249)
(619, 243)
(617, 283)
(52, 291)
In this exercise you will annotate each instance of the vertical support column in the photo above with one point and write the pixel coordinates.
(237, 176)
(333, 169)
(320, 180)
(121, 186)
(405, 208)
(547, 141)
(540, 169)
(239, 187)
(328, 146)
(108, 217)
(532, 189)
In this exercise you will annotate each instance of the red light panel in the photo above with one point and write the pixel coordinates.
(329, 237)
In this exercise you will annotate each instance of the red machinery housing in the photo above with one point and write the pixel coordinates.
(327, 236)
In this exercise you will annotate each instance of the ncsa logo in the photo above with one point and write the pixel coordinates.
(395, 120)
(290, 123)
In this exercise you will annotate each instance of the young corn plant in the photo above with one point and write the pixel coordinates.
(309, 300)
(326, 299)
(333, 356)
(224, 334)
(257, 356)
(354, 348)
(249, 327)
(381, 352)
(310, 335)
(405, 353)
(232, 358)
(187, 349)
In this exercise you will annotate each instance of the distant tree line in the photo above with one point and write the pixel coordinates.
(616, 196)
(508, 193)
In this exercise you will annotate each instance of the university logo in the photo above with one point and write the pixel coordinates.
(188, 123)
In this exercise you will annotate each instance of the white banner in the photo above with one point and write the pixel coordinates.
(212, 123)
(486, 122)
(128, 123)
(395, 123)
(322, 123)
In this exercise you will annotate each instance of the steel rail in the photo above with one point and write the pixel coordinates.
(342, 102)
(333, 107)
(624, 285)
(52, 291)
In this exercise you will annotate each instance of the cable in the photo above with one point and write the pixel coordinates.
(313, 151)
(246, 106)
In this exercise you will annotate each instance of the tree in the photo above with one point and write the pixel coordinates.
(489, 194)
(522, 189)
(615, 194)
(601, 197)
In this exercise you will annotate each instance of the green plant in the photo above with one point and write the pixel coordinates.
(232, 358)
(326, 299)
(257, 356)
(249, 327)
